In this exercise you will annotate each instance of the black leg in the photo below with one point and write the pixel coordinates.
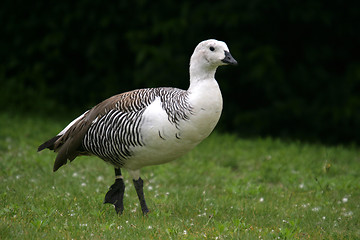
(140, 192)
(115, 195)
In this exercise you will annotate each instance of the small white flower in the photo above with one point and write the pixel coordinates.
(185, 232)
(301, 185)
(150, 188)
(305, 205)
(261, 199)
(75, 174)
(345, 200)
(100, 178)
(348, 214)
(150, 227)
(315, 209)
(83, 184)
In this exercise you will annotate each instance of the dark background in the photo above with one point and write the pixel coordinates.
(298, 75)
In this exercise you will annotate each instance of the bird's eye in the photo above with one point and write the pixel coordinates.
(212, 48)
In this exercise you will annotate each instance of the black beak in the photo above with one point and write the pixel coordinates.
(229, 59)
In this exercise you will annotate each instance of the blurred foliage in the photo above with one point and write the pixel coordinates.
(298, 73)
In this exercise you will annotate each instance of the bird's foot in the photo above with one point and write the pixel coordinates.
(115, 195)
(145, 211)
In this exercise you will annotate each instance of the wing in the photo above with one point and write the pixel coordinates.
(112, 136)
(115, 120)
(68, 143)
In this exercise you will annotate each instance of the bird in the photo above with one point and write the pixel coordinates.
(148, 126)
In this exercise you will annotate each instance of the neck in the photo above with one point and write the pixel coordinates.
(200, 73)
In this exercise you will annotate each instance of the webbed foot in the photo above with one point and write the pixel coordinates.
(115, 195)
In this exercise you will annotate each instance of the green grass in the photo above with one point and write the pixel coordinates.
(226, 188)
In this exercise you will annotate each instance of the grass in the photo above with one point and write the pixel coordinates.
(226, 188)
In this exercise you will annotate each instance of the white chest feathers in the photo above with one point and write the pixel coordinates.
(164, 140)
(206, 99)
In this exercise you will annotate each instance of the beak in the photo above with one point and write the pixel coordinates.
(229, 59)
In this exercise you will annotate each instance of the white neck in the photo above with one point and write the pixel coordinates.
(200, 72)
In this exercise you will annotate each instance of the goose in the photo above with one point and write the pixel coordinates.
(147, 126)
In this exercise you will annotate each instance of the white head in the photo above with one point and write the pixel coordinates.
(207, 56)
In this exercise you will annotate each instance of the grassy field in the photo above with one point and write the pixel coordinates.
(227, 188)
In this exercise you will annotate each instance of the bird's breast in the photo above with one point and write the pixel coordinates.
(206, 99)
(165, 139)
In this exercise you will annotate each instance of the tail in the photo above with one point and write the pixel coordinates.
(49, 143)
(68, 143)
(66, 151)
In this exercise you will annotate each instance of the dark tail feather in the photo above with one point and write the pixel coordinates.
(49, 143)
(59, 161)
(68, 151)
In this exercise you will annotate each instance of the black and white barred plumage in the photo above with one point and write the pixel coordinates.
(111, 135)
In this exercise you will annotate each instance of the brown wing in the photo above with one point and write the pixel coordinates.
(69, 145)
